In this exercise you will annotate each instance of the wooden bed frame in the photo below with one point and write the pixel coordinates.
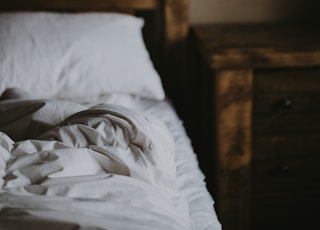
(165, 31)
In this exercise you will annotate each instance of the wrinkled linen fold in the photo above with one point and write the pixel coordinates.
(73, 166)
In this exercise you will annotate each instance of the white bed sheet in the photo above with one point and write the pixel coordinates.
(190, 177)
(19, 206)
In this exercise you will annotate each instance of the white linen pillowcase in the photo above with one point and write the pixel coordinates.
(74, 55)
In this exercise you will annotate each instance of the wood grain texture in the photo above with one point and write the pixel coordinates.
(259, 45)
(176, 17)
(282, 147)
(233, 116)
(78, 5)
(233, 106)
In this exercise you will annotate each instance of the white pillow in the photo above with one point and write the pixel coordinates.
(74, 55)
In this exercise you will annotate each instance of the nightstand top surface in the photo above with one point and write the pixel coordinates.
(258, 45)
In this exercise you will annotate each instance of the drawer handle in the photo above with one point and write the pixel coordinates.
(286, 102)
(284, 168)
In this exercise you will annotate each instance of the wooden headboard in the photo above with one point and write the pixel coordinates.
(165, 31)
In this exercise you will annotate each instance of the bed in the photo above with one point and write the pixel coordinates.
(89, 138)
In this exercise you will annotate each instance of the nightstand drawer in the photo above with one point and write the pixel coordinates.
(285, 212)
(286, 101)
(286, 176)
(286, 124)
(286, 91)
(286, 146)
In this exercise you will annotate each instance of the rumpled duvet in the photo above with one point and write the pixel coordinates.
(64, 165)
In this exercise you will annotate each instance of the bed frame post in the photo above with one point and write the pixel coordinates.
(176, 14)
(176, 26)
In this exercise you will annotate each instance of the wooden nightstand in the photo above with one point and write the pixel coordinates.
(259, 131)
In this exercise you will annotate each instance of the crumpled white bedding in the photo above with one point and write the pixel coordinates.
(66, 165)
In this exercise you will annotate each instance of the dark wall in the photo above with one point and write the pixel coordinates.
(305, 11)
